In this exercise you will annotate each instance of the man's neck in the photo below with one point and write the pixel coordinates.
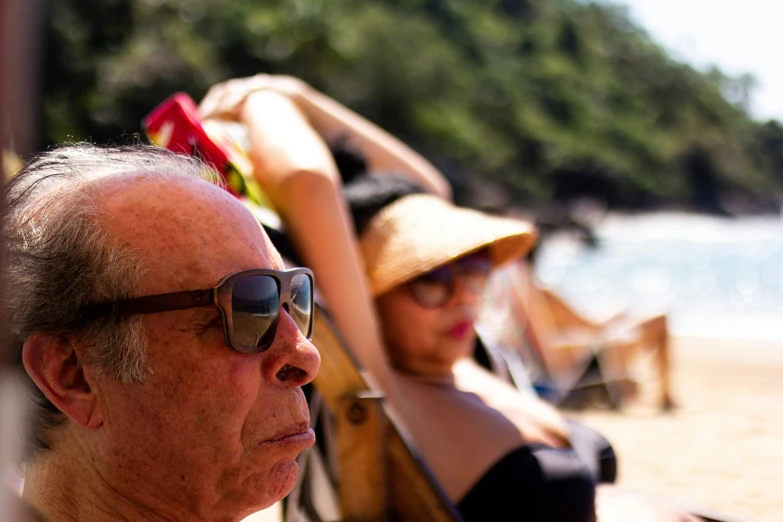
(70, 490)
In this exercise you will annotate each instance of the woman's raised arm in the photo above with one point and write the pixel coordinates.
(332, 120)
(294, 167)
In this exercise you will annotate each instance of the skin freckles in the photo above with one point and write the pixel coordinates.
(199, 438)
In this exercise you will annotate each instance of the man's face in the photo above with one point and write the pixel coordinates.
(211, 433)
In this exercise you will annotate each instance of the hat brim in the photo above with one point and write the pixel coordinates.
(421, 232)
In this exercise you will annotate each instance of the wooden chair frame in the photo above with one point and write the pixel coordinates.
(381, 476)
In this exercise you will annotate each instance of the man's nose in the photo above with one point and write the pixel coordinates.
(292, 360)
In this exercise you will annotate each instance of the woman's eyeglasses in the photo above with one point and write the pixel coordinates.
(435, 288)
(249, 303)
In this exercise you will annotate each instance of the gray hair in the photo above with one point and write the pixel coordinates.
(61, 260)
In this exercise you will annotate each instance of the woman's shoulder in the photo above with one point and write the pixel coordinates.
(536, 420)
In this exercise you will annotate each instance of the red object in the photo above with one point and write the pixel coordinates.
(175, 125)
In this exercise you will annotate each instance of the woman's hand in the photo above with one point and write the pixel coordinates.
(226, 100)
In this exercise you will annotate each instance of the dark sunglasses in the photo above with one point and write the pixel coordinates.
(249, 303)
(435, 288)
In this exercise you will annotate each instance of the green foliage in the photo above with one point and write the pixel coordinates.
(540, 96)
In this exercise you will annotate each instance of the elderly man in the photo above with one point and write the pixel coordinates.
(167, 343)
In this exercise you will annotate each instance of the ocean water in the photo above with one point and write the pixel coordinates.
(716, 277)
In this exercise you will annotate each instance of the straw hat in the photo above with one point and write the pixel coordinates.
(421, 232)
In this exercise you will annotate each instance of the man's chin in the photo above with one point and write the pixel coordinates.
(260, 492)
(281, 480)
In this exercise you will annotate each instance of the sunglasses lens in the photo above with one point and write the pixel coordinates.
(255, 303)
(433, 289)
(301, 309)
(474, 270)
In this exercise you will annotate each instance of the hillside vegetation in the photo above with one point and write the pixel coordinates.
(546, 100)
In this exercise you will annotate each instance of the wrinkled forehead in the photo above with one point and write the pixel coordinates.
(187, 232)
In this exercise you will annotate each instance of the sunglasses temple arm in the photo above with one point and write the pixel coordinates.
(166, 302)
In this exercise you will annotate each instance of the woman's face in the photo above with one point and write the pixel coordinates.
(428, 323)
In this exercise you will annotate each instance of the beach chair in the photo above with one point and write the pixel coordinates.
(545, 345)
(587, 385)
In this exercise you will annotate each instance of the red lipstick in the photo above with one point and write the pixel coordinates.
(461, 330)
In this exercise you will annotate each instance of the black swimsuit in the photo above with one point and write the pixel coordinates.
(534, 483)
(538, 483)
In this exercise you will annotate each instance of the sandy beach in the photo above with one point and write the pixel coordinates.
(721, 449)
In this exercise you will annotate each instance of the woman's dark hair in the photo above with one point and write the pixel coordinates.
(349, 160)
(367, 194)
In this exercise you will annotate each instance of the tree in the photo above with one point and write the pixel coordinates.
(538, 96)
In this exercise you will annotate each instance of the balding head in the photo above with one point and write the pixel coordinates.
(61, 257)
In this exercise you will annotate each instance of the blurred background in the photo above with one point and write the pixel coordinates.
(530, 102)
(642, 135)
(564, 108)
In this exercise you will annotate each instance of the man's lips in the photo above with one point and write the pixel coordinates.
(299, 435)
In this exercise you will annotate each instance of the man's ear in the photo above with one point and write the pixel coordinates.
(57, 368)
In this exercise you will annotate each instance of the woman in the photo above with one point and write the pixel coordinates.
(428, 263)
(497, 454)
